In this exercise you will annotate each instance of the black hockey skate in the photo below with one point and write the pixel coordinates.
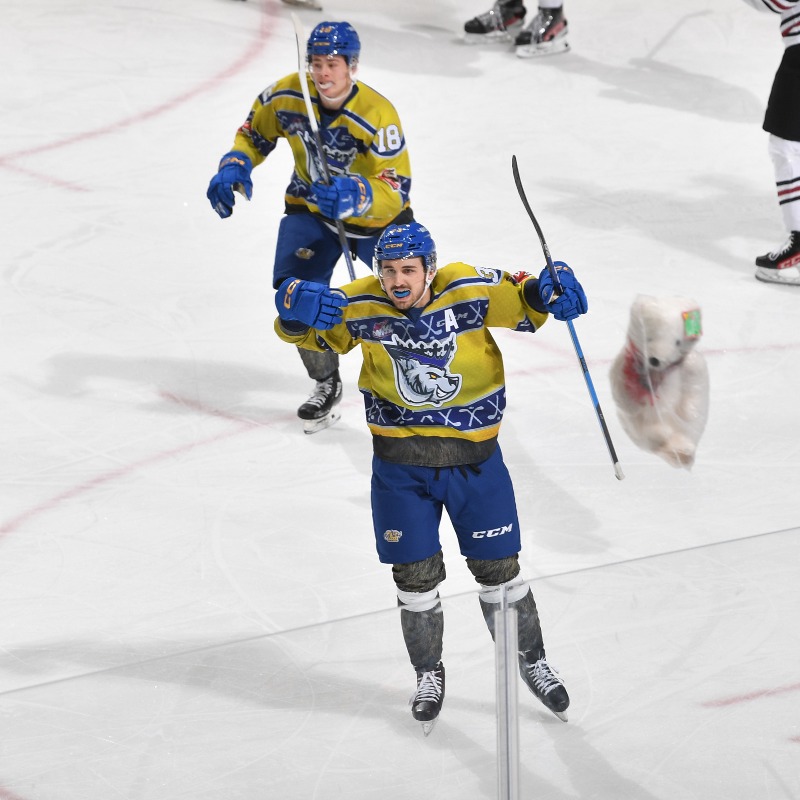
(545, 684)
(426, 702)
(497, 24)
(544, 35)
(318, 411)
(782, 265)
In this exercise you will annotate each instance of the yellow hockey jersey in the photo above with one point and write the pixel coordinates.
(364, 137)
(440, 374)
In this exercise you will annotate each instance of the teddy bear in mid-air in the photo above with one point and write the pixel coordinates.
(659, 381)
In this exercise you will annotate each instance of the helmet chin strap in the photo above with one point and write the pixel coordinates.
(338, 99)
(428, 281)
(335, 101)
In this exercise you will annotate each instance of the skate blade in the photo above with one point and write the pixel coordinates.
(562, 715)
(768, 275)
(495, 37)
(538, 50)
(316, 425)
(428, 726)
(304, 4)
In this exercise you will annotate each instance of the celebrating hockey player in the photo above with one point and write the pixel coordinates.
(434, 392)
(365, 151)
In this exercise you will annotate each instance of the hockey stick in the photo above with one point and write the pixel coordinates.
(578, 352)
(301, 68)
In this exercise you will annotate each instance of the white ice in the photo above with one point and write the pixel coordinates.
(190, 603)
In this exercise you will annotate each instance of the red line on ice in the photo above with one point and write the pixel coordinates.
(255, 47)
(242, 426)
(6, 794)
(746, 698)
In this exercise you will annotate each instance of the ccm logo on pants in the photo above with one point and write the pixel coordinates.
(492, 532)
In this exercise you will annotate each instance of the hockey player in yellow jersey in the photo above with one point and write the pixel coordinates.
(434, 394)
(366, 156)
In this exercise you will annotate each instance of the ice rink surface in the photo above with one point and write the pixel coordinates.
(190, 603)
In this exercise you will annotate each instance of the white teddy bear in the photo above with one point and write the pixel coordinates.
(659, 381)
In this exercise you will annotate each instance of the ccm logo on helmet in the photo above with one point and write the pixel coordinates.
(492, 532)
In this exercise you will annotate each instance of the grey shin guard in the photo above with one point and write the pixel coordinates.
(422, 623)
(520, 597)
(319, 365)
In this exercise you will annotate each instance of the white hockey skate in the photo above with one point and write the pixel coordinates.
(546, 685)
(783, 264)
(426, 702)
(319, 412)
(544, 35)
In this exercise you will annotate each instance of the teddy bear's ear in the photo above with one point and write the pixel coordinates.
(640, 305)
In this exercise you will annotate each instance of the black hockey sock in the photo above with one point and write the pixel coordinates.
(529, 631)
(423, 632)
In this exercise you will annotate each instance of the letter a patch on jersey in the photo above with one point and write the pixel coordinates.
(450, 323)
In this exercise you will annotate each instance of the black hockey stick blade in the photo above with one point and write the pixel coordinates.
(545, 249)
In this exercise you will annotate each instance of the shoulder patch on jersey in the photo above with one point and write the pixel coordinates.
(267, 93)
(382, 329)
(518, 277)
(493, 276)
(389, 176)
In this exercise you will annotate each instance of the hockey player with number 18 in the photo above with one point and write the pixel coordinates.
(434, 391)
(366, 155)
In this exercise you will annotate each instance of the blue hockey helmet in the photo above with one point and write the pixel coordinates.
(334, 39)
(410, 240)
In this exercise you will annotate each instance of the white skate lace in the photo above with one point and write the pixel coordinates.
(536, 24)
(321, 393)
(540, 24)
(543, 677)
(784, 248)
(429, 688)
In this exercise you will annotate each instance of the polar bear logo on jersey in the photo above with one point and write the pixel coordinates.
(421, 370)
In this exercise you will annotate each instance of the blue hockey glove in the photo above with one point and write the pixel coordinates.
(234, 173)
(344, 196)
(313, 304)
(572, 302)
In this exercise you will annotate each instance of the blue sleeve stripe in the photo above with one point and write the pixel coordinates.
(468, 281)
(267, 98)
(389, 153)
(360, 121)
